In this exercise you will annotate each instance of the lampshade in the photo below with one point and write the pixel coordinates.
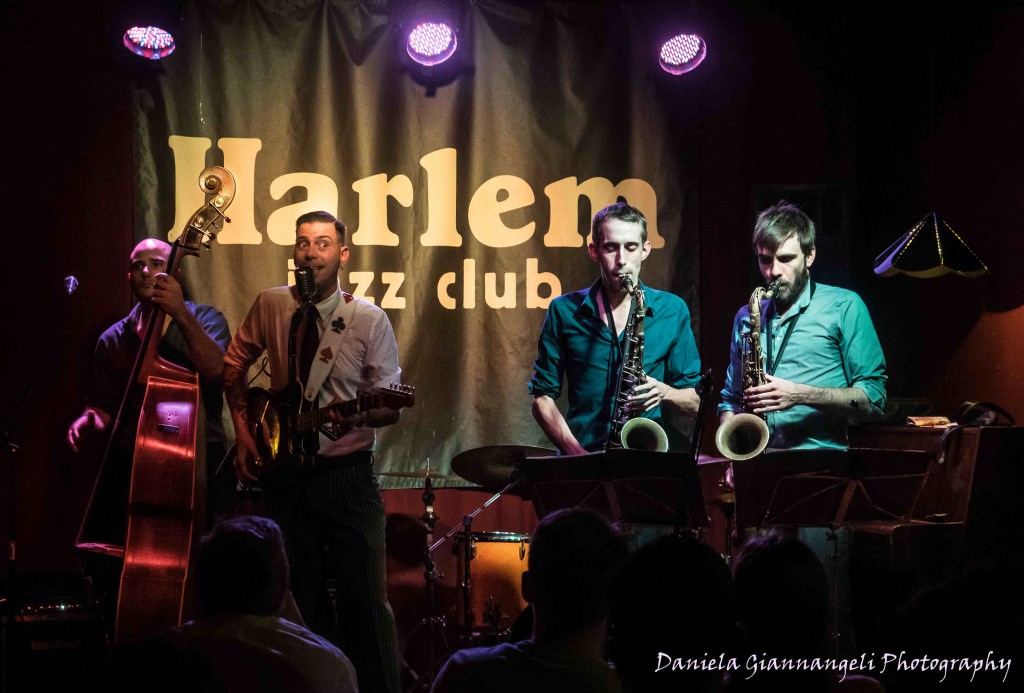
(930, 249)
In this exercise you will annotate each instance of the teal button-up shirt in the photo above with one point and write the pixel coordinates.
(577, 346)
(834, 344)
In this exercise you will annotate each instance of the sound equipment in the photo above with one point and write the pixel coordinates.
(52, 634)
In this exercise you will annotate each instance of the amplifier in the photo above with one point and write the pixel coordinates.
(52, 636)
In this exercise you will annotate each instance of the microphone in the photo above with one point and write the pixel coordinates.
(70, 284)
(305, 284)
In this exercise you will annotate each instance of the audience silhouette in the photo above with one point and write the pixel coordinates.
(249, 632)
(674, 601)
(783, 602)
(575, 557)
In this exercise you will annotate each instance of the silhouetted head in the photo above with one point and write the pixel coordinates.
(575, 556)
(674, 597)
(242, 567)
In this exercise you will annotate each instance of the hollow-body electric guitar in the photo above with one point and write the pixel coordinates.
(286, 435)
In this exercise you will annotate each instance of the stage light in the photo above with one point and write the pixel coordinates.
(431, 43)
(682, 53)
(431, 36)
(149, 41)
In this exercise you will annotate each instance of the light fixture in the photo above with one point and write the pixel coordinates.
(430, 32)
(150, 42)
(930, 249)
(682, 53)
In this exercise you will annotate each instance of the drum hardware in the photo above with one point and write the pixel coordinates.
(424, 473)
(493, 467)
(468, 538)
(435, 624)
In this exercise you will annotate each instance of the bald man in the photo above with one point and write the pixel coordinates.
(196, 338)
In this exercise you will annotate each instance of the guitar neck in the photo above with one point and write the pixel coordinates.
(314, 418)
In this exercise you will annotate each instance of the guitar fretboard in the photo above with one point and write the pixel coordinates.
(314, 418)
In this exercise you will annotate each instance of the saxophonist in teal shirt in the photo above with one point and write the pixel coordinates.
(581, 345)
(823, 368)
(823, 361)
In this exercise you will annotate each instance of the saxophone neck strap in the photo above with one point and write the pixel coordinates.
(774, 363)
(609, 316)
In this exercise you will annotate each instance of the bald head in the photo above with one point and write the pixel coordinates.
(151, 244)
(148, 259)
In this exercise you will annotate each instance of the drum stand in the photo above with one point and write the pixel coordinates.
(435, 624)
(466, 530)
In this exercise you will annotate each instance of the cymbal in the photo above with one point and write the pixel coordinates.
(491, 467)
(421, 474)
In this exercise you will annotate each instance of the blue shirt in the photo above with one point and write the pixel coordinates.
(834, 344)
(576, 345)
(118, 347)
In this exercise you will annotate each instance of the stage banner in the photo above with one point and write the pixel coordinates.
(467, 195)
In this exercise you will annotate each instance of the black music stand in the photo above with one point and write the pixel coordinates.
(828, 488)
(831, 489)
(623, 485)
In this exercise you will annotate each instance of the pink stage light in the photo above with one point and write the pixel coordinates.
(149, 41)
(431, 43)
(682, 53)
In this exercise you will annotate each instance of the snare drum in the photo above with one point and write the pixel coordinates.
(491, 594)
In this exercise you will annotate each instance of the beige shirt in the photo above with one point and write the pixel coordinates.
(366, 358)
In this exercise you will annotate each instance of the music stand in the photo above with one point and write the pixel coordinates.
(828, 488)
(623, 485)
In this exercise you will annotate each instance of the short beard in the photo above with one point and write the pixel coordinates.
(792, 293)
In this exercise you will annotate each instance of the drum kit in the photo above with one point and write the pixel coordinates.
(489, 564)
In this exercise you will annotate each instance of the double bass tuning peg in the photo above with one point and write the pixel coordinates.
(211, 183)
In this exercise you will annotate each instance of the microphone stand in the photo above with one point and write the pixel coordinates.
(10, 453)
(11, 449)
(430, 576)
(703, 389)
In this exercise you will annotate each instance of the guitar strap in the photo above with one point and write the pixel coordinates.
(331, 342)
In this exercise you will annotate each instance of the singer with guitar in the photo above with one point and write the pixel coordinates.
(321, 488)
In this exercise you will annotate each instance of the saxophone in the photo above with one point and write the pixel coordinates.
(746, 435)
(628, 430)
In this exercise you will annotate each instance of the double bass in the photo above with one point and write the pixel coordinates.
(147, 502)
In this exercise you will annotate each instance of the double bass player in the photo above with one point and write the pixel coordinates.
(196, 338)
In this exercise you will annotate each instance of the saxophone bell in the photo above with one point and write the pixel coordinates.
(746, 435)
(643, 434)
(742, 437)
(628, 429)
